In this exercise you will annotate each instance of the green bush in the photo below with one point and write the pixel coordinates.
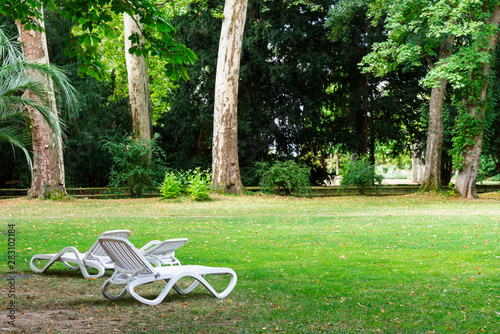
(360, 174)
(137, 164)
(194, 183)
(487, 168)
(287, 177)
(494, 178)
(198, 184)
(171, 186)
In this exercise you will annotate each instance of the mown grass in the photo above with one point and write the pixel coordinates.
(406, 264)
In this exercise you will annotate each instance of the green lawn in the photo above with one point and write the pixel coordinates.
(405, 264)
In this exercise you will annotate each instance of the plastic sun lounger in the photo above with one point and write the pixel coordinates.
(161, 253)
(133, 269)
(95, 257)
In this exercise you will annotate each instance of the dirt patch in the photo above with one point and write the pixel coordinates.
(55, 321)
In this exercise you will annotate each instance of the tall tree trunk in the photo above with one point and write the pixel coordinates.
(466, 177)
(417, 167)
(435, 132)
(48, 162)
(337, 164)
(225, 165)
(476, 106)
(138, 91)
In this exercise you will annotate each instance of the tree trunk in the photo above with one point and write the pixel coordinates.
(138, 91)
(337, 164)
(48, 162)
(466, 178)
(435, 132)
(225, 165)
(476, 106)
(417, 167)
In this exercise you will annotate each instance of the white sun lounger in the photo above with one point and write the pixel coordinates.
(133, 269)
(161, 253)
(95, 257)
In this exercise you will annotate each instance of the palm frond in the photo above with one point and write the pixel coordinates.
(26, 86)
(19, 138)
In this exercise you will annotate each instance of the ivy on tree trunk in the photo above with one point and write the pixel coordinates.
(475, 107)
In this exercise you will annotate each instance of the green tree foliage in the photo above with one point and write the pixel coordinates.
(368, 109)
(93, 17)
(101, 116)
(491, 147)
(284, 74)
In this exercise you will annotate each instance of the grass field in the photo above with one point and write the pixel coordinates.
(405, 264)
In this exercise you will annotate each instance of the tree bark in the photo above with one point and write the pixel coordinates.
(225, 165)
(435, 132)
(48, 161)
(466, 178)
(337, 164)
(417, 167)
(476, 106)
(138, 91)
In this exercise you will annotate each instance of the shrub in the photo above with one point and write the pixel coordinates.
(195, 183)
(136, 164)
(171, 186)
(198, 184)
(487, 167)
(494, 178)
(360, 174)
(288, 177)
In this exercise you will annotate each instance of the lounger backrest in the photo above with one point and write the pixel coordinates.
(165, 247)
(96, 250)
(125, 255)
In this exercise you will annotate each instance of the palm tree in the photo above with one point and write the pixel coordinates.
(17, 77)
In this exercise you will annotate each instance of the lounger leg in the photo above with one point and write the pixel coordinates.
(54, 259)
(57, 257)
(69, 266)
(224, 293)
(172, 284)
(160, 297)
(86, 273)
(108, 295)
(189, 288)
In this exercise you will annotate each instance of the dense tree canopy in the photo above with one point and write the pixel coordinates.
(301, 88)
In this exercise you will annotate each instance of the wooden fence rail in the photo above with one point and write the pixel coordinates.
(384, 190)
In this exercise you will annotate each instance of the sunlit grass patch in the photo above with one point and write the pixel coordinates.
(409, 264)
